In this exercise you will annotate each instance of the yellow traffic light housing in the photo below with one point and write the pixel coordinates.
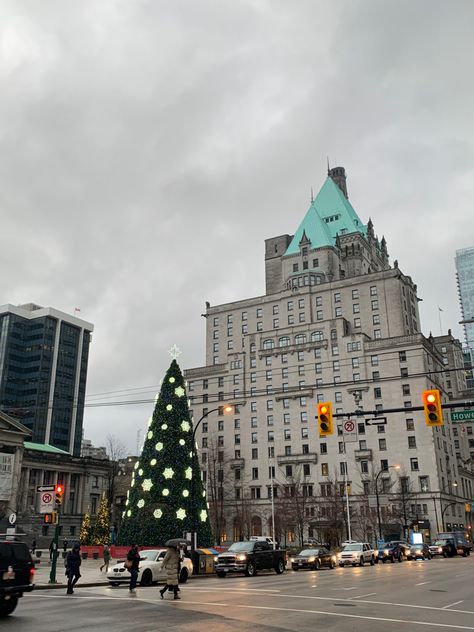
(59, 491)
(325, 423)
(433, 408)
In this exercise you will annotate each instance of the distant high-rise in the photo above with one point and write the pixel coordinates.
(43, 370)
(465, 277)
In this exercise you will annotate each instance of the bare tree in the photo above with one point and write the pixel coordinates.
(218, 486)
(293, 506)
(115, 451)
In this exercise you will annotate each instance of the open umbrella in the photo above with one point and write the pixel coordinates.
(178, 542)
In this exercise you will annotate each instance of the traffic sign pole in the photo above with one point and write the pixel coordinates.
(52, 575)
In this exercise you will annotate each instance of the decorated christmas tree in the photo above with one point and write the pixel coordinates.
(166, 498)
(85, 532)
(101, 531)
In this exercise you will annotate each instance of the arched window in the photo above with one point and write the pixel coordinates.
(300, 339)
(284, 342)
(316, 336)
(268, 343)
(256, 525)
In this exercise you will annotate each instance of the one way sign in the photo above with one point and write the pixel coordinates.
(376, 421)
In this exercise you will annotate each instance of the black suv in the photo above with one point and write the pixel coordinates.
(390, 552)
(16, 574)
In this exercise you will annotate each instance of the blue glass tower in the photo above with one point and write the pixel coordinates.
(43, 370)
(465, 278)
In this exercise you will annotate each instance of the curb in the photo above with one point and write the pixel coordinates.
(95, 584)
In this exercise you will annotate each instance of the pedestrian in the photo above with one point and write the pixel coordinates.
(133, 564)
(33, 545)
(106, 555)
(73, 563)
(171, 563)
(65, 543)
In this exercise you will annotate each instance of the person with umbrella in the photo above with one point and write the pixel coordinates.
(172, 562)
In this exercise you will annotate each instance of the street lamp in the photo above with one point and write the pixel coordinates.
(396, 467)
(227, 409)
(443, 511)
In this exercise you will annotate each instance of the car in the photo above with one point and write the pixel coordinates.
(390, 552)
(357, 553)
(404, 545)
(458, 539)
(444, 547)
(17, 572)
(313, 559)
(150, 571)
(420, 552)
(249, 557)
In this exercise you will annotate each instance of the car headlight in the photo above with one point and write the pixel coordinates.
(334, 558)
(216, 558)
(311, 559)
(385, 552)
(376, 552)
(241, 557)
(440, 549)
(292, 559)
(417, 552)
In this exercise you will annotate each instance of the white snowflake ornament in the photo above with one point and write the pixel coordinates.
(147, 485)
(157, 513)
(168, 473)
(166, 492)
(188, 473)
(169, 407)
(140, 503)
(181, 514)
(179, 391)
(203, 515)
(159, 446)
(185, 426)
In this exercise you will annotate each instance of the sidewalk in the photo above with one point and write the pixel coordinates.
(90, 571)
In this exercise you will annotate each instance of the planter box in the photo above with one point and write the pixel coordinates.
(84, 555)
(95, 556)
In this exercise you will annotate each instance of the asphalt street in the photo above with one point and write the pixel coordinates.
(433, 595)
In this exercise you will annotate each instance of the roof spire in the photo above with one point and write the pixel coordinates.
(312, 195)
(329, 170)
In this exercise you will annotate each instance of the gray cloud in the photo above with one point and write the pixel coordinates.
(148, 148)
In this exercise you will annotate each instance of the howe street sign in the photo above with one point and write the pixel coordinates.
(376, 421)
(463, 415)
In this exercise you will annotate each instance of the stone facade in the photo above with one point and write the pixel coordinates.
(338, 324)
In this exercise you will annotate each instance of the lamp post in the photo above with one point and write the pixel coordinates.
(443, 511)
(396, 467)
(227, 409)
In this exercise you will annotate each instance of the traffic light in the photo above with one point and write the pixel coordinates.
(433, 409)
(50, 518)
(59, 491)
(325, 425)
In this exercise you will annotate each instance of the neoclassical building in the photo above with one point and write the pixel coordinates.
(336, 323)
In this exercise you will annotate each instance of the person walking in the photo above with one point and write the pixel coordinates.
(33, 546)
(73, 563)
(133, 564)
(171, 563)
(106, 555)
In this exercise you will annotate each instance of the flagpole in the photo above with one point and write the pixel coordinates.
(440, 325)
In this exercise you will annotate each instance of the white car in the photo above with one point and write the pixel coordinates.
(357, 553)
(150, 571)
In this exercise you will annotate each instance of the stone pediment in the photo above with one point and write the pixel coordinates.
(12, 425)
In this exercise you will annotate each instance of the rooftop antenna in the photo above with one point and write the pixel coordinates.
(312, 196)
(328, 165)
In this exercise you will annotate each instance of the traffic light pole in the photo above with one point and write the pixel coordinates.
(52, 575)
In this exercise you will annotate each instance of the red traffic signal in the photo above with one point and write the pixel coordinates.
(59, 491)
(48, 518)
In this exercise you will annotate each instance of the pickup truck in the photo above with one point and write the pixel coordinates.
(16, 574)
(249, 558)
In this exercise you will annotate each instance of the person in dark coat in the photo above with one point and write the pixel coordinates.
(133, 557)
(171, 562)
(73, 564)
(33, 545)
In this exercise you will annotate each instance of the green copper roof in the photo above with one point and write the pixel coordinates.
(44, 447)
(330, 213)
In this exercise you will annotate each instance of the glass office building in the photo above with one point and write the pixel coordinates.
(43, 370)
(465, 277)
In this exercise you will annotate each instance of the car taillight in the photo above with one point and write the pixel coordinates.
(32, 574)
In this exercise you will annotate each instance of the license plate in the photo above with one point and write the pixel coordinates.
(300, 563)
(8, 575)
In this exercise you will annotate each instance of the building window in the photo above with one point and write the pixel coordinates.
(338, 396)
(424, 483)
(323, 448)
(269, 420)
(364, 467)
(414, 464)
(338, 311)
(269, 404)
(402, 356)
(304, 433)
(287, 450)
(324, 469)
(373, 290)
(271, 435)
(384, 465)
(412, 442)
(377, 334)
(377, 392)
(410, 424)
(374, 360)
(375, 304)
(255, 493)
(382, 444)
(287, 434)
(343, 467)
(355, 308)
(288, 471)
(276, 323)
(405, 389)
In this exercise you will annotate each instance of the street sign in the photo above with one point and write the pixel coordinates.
(45, 488)
(463, 415)
(46, 502)
(376, 421)
(349, 430)
(12, 518)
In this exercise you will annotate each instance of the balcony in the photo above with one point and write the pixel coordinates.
(363, 455)
(237, 464)
(295, 459)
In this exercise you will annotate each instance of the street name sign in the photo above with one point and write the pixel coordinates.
(45, 488)
(463, 415)
(376, 421)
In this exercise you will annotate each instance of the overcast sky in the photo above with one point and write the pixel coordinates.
(148, 148)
